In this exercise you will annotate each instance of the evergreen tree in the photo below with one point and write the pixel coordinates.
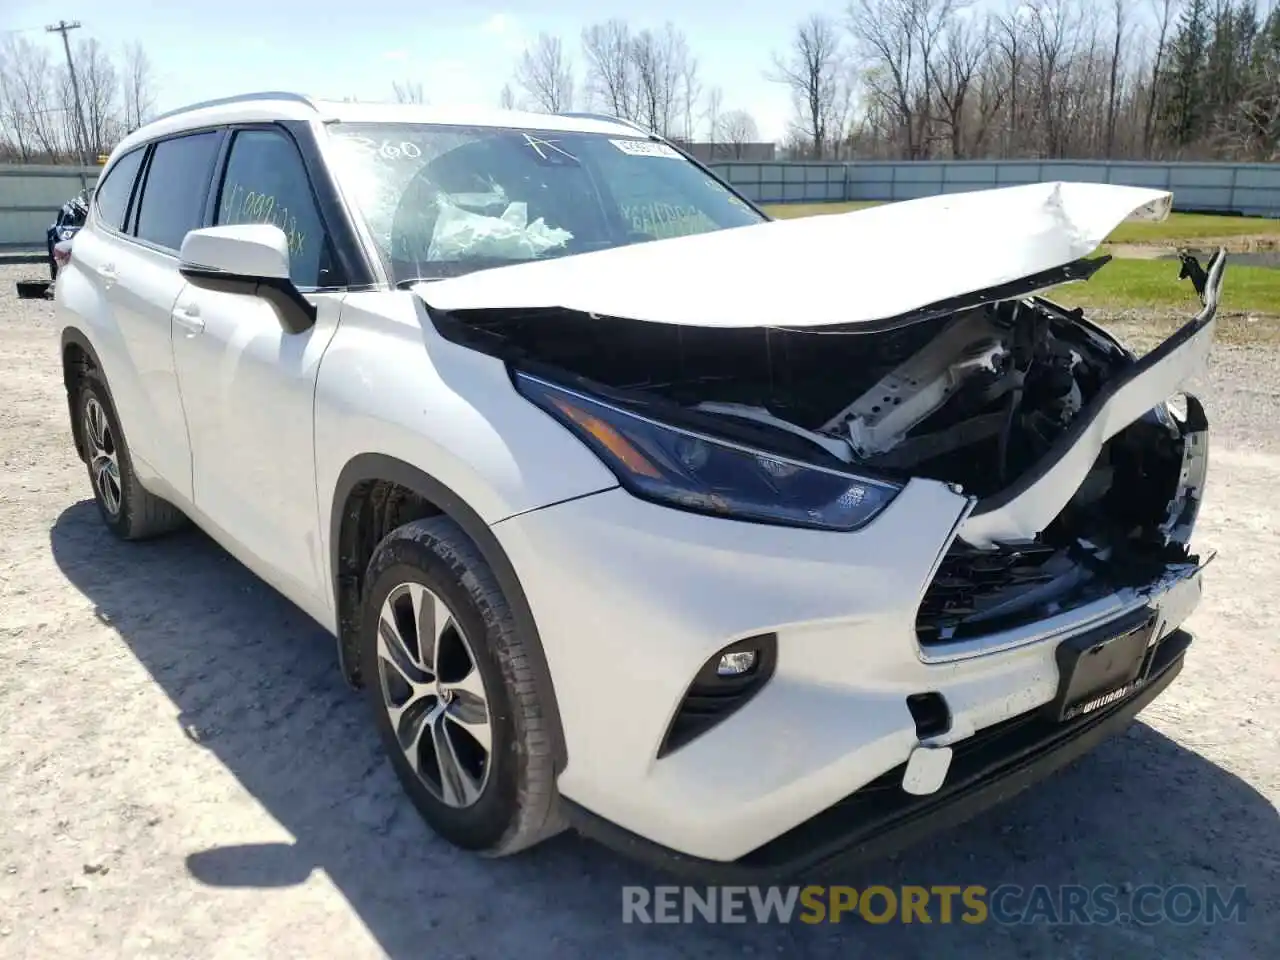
(1186, 106)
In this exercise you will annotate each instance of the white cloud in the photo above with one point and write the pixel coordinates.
(504, 29)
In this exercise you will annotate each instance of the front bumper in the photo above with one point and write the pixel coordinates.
(632, 598)
(880, 819)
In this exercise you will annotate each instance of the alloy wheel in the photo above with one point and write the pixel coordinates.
(104, 465)
(434, 695)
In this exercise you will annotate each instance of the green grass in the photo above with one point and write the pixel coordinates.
(1154, 284)
(787, 211)
(1186, 228)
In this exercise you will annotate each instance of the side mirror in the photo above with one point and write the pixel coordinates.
(250, 259)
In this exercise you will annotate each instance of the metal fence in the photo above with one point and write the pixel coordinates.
(1246, 188)
(31, 195)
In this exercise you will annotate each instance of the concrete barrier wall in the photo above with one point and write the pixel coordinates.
(30, 197)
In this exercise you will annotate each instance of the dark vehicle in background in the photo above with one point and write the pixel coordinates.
(71, 217)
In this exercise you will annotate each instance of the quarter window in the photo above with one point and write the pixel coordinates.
(112, 193)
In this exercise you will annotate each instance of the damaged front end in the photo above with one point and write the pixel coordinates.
(1084, 464)
(1101, 519)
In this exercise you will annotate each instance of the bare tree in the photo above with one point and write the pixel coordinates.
(661, 64)
(99, 96)
(994, 90)
(139, 95)
(32, 110)
(901, 39)
(1165, 11)
(408, 91)
(739, 130)
(507, 98)
(545, 72)
(1052, 25)
(952, 75)
(690, 95)
(14, 137)
(813, 70)
(611, 75)
(1009, 33)
(715, 116)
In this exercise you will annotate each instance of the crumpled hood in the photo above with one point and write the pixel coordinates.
(862, 266)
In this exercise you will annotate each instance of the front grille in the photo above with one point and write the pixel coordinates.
(970, 581)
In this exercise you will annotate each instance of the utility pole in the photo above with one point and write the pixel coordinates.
(64, 28)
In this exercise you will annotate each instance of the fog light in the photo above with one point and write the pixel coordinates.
(725, 682)
(735, 664)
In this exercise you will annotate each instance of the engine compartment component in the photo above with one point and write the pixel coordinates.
(991, 398)
(971, 398)
(880, 419)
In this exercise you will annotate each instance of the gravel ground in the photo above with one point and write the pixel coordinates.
(185, 775)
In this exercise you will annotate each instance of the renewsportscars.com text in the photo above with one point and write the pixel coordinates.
(940, 904)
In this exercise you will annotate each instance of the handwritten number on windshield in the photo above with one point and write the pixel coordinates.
(387, 149)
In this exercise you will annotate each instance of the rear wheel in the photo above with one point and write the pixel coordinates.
(448, 678)
(127, 508)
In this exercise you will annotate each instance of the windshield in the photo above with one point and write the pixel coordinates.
(445, 200)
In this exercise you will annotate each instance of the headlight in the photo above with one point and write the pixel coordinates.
(684, 469)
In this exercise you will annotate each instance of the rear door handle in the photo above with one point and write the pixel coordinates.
(188, 318)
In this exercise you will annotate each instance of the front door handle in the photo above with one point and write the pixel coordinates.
(188, 318)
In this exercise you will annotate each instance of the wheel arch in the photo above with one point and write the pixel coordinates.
(78, 358)
(351, 509)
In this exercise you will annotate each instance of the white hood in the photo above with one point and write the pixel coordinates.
(841, 268)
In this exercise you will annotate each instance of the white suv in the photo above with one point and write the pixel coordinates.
(741, 544)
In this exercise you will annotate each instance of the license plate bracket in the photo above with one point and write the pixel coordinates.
(1102, 666)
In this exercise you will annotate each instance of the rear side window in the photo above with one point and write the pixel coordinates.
(114, 190)
(266, 182)
(174, 192)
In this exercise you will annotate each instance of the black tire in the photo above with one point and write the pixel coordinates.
(136, 514)
(518, 805)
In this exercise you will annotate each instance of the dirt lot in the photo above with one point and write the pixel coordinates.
(185, 775)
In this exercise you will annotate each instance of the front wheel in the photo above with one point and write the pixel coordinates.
(454, 700)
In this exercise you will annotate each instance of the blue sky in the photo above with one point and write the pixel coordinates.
(461, 53)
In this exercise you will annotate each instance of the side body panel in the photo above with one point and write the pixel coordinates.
(248, 388)
(391, 384)
(120, 294)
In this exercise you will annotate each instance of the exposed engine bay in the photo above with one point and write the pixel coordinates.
(972, 398)
(976, 398)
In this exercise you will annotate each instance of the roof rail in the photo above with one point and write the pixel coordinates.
(607, 118)
(239, 98)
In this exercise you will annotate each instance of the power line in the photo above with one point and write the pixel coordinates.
(64, 28)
